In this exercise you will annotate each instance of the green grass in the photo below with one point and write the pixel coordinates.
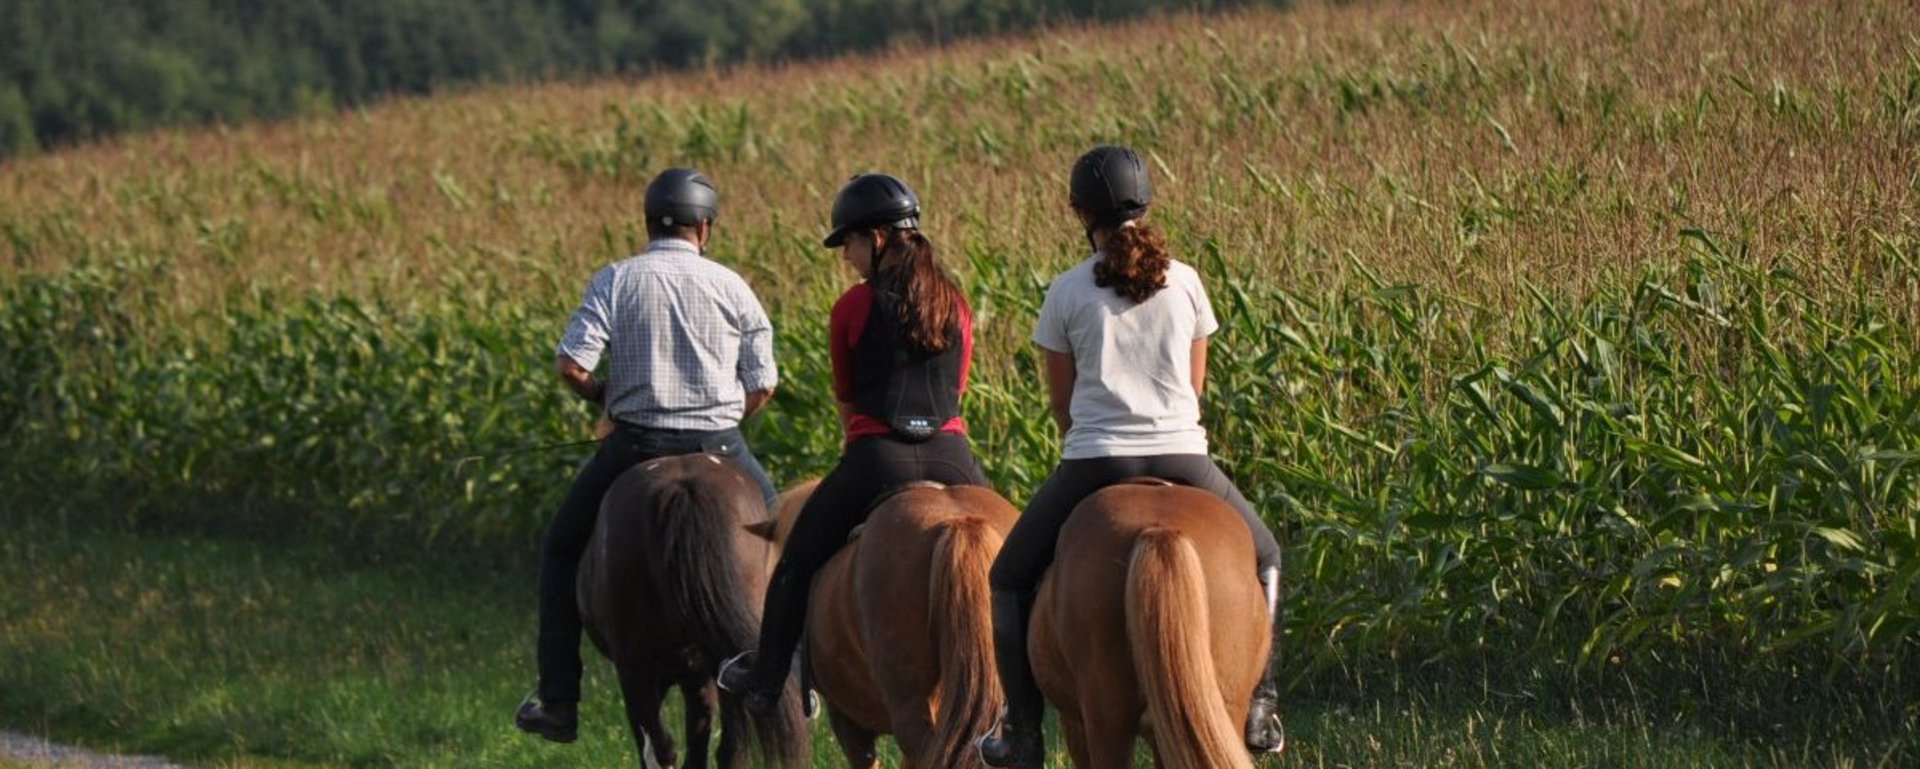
(215, 650)
(257, 653)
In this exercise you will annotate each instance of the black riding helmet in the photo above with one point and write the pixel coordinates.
(681, 196)
(1111, 183)
(873, 200)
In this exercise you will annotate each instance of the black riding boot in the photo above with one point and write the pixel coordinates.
(760, 677)
(1265, 734)
(556, 721)
(1020, 744)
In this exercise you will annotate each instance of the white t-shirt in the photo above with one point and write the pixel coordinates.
(1133, 363)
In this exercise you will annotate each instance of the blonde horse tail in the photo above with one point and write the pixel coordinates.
(1169, 630)
(963, 626)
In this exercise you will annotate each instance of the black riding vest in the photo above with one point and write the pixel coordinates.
(912, 390)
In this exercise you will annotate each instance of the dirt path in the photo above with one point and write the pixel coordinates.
(17, 748)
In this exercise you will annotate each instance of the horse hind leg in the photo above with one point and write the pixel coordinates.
(856, 741)
(644, 694)
(1108, 729)
(1076, 738)
(914, 734)
(699, 700)
(1109, 746)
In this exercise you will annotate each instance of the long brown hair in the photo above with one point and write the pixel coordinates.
(1134, 263)
(929, 300)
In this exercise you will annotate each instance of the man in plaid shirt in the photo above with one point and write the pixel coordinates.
(689, 355)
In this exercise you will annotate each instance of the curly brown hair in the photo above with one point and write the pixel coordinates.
(1134, 263)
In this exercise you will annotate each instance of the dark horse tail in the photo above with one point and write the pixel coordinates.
(701, 576)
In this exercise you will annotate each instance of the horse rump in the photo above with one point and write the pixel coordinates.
(1168, 627)
(685, 518)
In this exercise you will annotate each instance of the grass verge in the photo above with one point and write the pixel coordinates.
(259, 653)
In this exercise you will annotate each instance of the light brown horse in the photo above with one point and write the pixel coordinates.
(672, 582)
(899, 635)
(1151, 622)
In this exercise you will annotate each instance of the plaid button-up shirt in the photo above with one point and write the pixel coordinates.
(685, 339)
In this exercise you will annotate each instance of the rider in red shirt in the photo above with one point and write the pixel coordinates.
(902, 341)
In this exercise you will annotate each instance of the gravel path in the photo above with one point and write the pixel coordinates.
(16, 747)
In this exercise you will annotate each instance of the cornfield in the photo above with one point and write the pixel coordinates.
(1585, 327)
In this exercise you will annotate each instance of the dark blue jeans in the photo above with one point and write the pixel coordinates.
(572, 526)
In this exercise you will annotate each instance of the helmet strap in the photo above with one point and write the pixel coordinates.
(703, 234)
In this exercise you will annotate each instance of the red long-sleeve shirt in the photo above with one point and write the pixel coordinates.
(848, 321)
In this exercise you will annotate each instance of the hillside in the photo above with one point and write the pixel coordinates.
(75, 70)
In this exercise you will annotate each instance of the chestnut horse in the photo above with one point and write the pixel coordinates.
(899, 636)
(671, 583)
(1151, 622)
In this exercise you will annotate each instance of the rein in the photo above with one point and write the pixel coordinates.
(462, 462)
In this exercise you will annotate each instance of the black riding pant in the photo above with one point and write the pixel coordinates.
(572, 526)
(870, 467)
(1029, 547)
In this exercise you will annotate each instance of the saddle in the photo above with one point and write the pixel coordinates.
(854, 536)
(806, 658)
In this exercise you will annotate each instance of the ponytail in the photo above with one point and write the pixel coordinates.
(1134, 263)
(928, 299)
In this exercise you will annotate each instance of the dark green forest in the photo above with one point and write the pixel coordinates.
(81, 69)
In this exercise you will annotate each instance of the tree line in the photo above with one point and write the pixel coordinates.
(73, 70)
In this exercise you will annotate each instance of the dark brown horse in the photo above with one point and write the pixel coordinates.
(671, 582)
(900, 637)
(1151, 622)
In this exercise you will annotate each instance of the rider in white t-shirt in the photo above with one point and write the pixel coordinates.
(1125, 334)
(1133, 391)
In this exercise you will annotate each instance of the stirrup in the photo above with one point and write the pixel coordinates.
(1012, 757)
(980, 740)
(736, 674)
(739, 676)
(1278, 732)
